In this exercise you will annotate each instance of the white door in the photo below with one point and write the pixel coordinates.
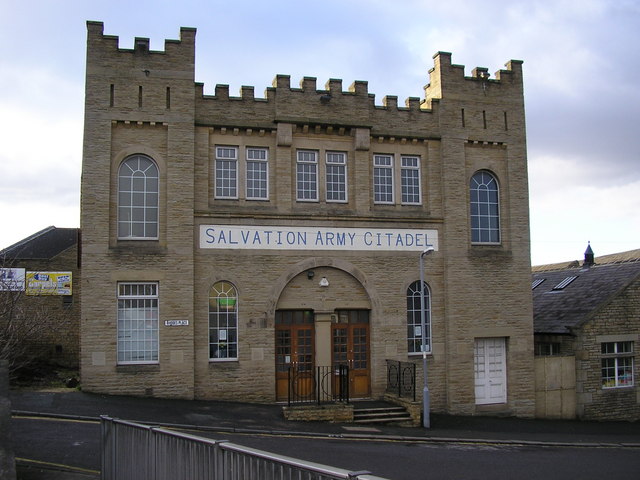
(490, 368)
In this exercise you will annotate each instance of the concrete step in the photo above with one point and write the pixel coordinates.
(381, 415)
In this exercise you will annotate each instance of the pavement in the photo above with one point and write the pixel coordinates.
(268, 419)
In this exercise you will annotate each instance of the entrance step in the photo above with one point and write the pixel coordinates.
(381, 415)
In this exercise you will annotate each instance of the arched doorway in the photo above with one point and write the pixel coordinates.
(322, 321)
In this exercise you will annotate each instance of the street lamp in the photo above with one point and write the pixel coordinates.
(426, 401)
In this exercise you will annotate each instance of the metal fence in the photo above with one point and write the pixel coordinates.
(132, 451)
(401, 379)
(324, 384)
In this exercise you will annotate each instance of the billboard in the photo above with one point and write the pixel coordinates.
(12, 279)
(48, 283)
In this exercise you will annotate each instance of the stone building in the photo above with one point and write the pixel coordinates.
(230, 239)
(52, 253)
(587, 332)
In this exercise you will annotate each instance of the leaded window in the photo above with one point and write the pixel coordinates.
(138, 194)
(415, 334)
(223, 321)
(485, 211)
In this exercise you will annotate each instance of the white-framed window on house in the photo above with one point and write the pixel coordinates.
(226, 167)
(257, 173)
(617, 364)
(415, 335)
(485, 208)
(383, 178)
(307, 175)
(336, 176)
(138, 198)
(137, 322)
(410, 180)
(223, 321)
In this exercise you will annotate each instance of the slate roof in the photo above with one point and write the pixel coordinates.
(557, 311)
(43, 245)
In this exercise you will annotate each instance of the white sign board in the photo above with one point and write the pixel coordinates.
(12, 279)
(176, 323)
(314, 238)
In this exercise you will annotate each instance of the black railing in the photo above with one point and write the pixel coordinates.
(318, 385)
(401, 379)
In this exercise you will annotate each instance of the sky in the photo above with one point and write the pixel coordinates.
(581, 73)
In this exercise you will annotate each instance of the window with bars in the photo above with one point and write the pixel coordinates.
(138, 198)
(485, 211)
(257, 174)
(137, 323)
(410, 180)
(226, 168)
(223, 322)
(617, 364)
(383, 179)
(307, 175)
(415, 335)
(336, 173)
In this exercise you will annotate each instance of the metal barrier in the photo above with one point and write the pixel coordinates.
(319, 385)
(132, 451)
(401, 379)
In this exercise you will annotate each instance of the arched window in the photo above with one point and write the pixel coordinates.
(138, 187)
(223, 321)
(485, 208)
(415, 334)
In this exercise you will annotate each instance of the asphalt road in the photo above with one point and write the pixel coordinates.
(77, 444)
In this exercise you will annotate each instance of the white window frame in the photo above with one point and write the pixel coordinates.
(307, 176)
(138, 198)
(226, 179)
(336, 166)
(251, 161)
(406, 186)
(617, 356)
(380, 165)
(220, 309)
(485, 216)
(414, 318)
(138, 315)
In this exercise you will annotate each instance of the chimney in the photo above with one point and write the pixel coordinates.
(588, 256)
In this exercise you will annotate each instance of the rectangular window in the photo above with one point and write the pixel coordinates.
(336, 177)
(137, 323)
(546, 349)
(226, 172)
(257, 174)
(410, 179)
(617, 364)
(307, 176)
(383, 179)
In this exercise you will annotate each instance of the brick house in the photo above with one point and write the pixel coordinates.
(229, 239)
(47, 251)
(587, 329)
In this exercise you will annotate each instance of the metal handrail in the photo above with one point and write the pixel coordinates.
(401, 379)
(132, 451)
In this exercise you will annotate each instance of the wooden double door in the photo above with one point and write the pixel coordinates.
(296, 346)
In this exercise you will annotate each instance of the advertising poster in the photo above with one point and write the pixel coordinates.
(12, 279)
(48, 283)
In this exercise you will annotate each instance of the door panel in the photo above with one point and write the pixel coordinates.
(294, 348)
(490, 369)
(350, 346)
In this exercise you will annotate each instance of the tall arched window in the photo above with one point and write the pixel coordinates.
(414, 318)
(138, 188)
(223, 321)
(485, 208)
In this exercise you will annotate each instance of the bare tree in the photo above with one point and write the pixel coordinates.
(23, 322)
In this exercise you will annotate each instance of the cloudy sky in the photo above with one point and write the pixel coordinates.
(581, 66)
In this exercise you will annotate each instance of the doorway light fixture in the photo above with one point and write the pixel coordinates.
(324, 282)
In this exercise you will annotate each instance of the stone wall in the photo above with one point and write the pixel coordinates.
(7, 461)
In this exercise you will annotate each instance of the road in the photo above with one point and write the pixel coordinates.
(77, 444)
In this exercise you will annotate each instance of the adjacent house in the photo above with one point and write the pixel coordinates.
(587, 333)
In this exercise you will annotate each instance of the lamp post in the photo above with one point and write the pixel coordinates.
(426, 401)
